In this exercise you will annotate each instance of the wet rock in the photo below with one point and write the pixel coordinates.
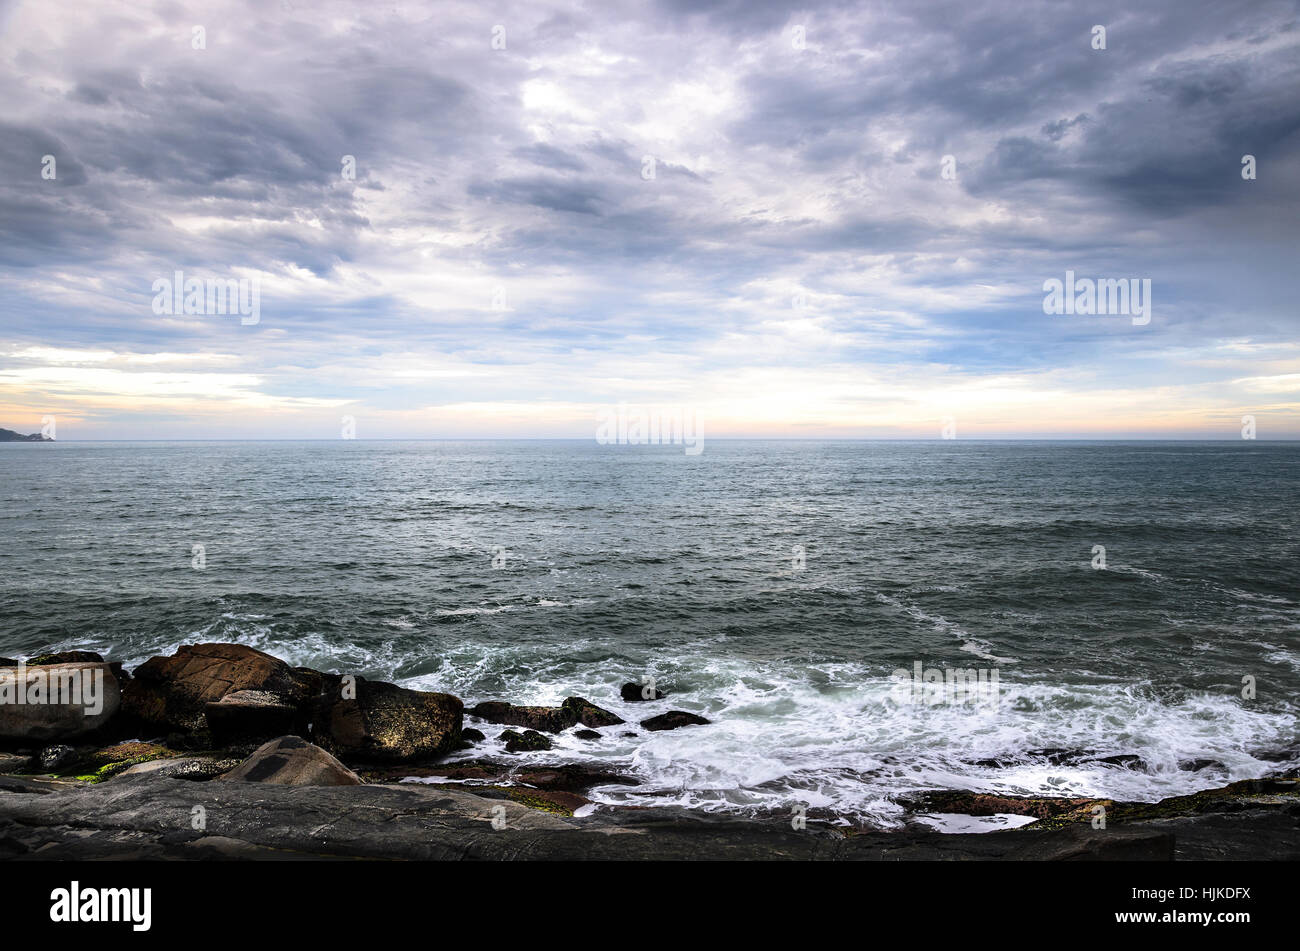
(65, 657)
(385, 722)
(1123, 760)
(292, 761)
(672, 720)
(172, 693)
(251, 714)
(633, 693)
(91, 691)
(586, 734)
(526, 742)
(471, 735)
(53, 758)
(1196, 765)
(588, 714)
(571, 712)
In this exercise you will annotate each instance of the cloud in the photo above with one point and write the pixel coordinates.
(798, 258)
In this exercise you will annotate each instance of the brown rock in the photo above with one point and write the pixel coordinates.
(88, 694)
(386, 722)
(292, 761)
(172, 693)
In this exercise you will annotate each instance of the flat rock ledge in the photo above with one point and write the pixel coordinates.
(148, 814)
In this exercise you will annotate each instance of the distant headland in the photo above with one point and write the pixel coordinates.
(8, 435)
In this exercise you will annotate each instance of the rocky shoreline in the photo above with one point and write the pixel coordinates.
(222, 751)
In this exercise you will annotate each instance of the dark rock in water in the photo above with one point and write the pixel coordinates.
(672, 720)
(573, 711)
(1124, 760)
(586, 734)
(588, 714)
(86, 687)
(384, 722)
(525, 742)
(632, 693)
(629, 734)
(292, 761)
(249, 714)
(65, 657)
(471, 735)
(1196, 765)
(56, 757)
(8, 662)
(172, 693)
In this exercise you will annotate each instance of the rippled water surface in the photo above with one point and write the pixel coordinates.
(377, 558)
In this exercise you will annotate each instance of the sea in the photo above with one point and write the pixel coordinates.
(1133, 607)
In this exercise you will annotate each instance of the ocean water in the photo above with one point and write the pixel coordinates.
(529, 571)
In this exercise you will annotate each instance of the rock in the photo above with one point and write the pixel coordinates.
(1082, 843)
(8, 662)
(99, 765)
(12, 763)
(586, 734)
(65, 657)
(91, 691)
(172, 693)
(471, 735)
(386, 722)
(1123, 760)
(571, 712)
(250, 714)
(53, 758)
(633, 693)
(629, 734)
(292, 761)
(1196, 765)
(588, 714)
(672, 720)
(196, 768)
(526, 742)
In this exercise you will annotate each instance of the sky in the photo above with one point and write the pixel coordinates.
(828, 220)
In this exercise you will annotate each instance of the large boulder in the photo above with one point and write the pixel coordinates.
(172, 693)
(374, 720)
(41, 705)
(292, 761)
(250, 714)
(571, 712)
